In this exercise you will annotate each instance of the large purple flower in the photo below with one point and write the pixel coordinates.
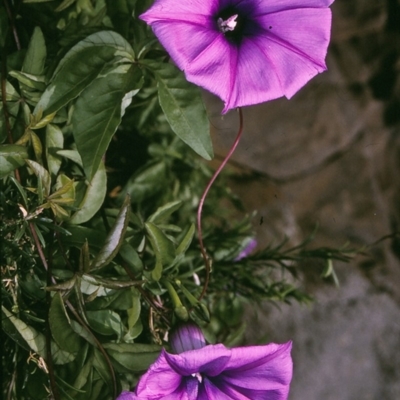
(245, 51)
(215, 372)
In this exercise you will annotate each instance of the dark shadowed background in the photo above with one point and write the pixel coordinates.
(331, 156)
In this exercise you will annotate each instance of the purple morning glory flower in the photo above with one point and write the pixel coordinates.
(215, 372)
(245, 51)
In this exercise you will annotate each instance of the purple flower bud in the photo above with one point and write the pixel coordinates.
(186, 337)
(247, 250)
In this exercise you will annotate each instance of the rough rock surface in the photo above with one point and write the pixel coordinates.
(332, 155)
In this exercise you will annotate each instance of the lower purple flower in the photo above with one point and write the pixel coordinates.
(215, 372)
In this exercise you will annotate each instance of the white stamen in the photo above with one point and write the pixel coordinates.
(228, 25)
(198, 376)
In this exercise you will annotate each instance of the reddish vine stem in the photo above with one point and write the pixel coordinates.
(12, 23)
(203, 197)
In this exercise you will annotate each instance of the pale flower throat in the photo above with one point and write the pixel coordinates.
(228, 25)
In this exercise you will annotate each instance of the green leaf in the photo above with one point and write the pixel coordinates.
(133, 357)
(37, 341)
(79, 234)
(183, 106)
(72, 155)
(60, 326)
(98, 113)
(131, 257)
(82, 378)
(35, 57)
(11, 157)
(80, 66)
(93, 198)
(114, 238)
(29, 81)
(163, 212)
(42, 175)
(100, 39)
(109, 283)
(162, 247)
(105, 322)
(185, 243)
(148, 182)
(54, 142)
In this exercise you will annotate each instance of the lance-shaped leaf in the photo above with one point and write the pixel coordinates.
(37, 341)
(162, 247)
(105, 322)
(133, 357)
(43, 176)
(94, 196)
(114, 238)
(163, 212)
(109, 283)
(183, 106)
(60, 326)
(79, 234)
(35, 57)
(54, 142)
(98, 112)
(80, 66)
(11, 157)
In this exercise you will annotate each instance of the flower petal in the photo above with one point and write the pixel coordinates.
(161, 380)
(266, 7)
(182, 40)
(260, 368)
(211, 392)
(215, 68)
(164, 8)
(305, 32)
(289, 51)
(255, 78)
(127, 396)
(210, 360)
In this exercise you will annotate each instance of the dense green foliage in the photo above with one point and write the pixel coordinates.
(101, 170)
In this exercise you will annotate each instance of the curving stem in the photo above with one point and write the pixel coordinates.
(203, 197)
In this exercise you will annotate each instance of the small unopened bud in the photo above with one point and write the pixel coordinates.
(181, 312)
(187, 336)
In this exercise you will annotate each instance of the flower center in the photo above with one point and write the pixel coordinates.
(227, 25)
(231, 22)
(198, 376)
